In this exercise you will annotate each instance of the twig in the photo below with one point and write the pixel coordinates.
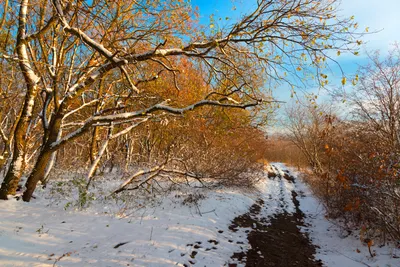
(121, 244)
(198, 209)
(209, 211)
(353, 259)
(62, 256)
(141, 218)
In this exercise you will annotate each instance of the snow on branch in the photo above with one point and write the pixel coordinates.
(155, 170)
(169, 109)
(95, 120)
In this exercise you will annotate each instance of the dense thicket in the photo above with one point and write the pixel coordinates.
(356, 161)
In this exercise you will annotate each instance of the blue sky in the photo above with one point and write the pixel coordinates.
(379, 16)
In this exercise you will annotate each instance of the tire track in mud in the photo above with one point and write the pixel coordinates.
(276, 241)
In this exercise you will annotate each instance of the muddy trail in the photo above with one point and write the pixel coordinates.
(276, 241)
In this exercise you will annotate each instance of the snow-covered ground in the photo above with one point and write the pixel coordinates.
(178, 229)
(337, 247)
(165, 234)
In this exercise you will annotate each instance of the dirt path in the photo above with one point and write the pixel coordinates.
(276, 241)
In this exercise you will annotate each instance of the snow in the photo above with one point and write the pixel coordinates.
(337, 247)
(161, 231)
(36, 234)
(18, 164)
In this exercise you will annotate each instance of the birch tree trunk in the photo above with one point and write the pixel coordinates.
(17, 165)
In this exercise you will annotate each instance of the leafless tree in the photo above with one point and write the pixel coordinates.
(377, 97)
(309, 126)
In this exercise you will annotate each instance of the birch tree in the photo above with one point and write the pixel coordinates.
(16, 168)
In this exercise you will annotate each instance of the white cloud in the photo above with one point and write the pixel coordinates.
(377, 15)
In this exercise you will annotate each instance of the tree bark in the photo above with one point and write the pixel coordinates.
(93, 144)
(37, 173)
(17, 165)
(96, 161)
(41, 165)
(49, 167)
